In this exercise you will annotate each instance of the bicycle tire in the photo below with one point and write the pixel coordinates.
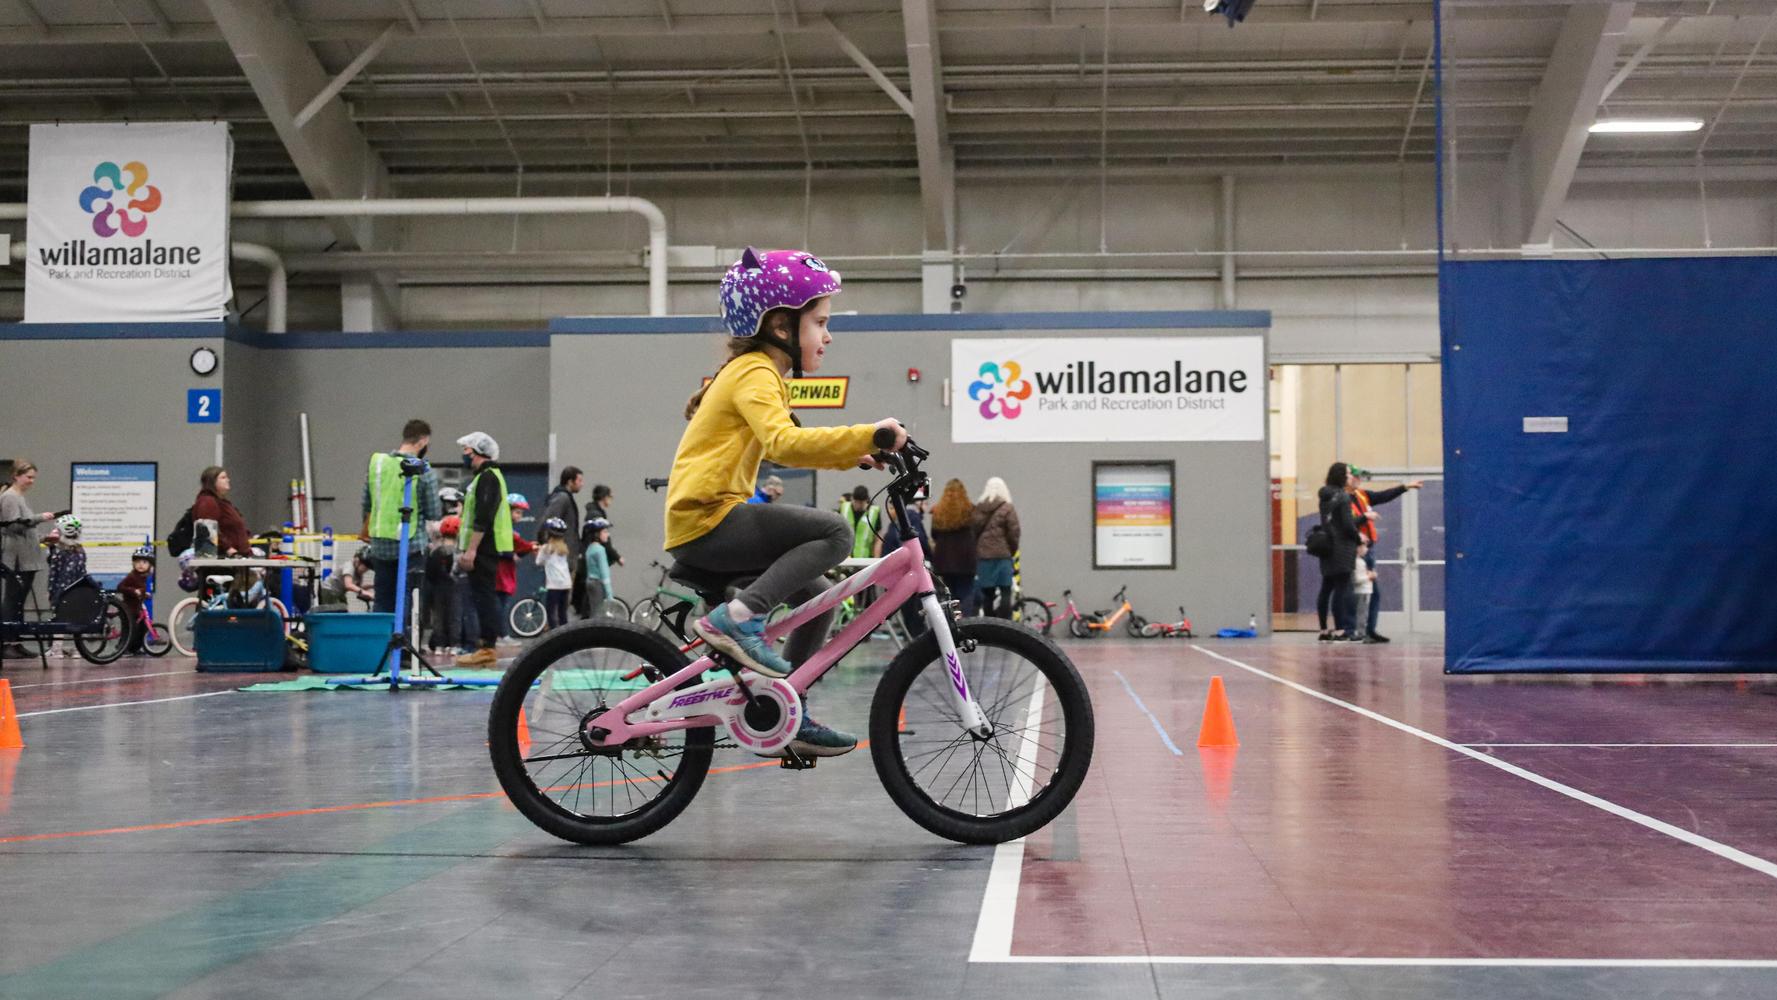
(1152, 630)
(160, 643)
(283, 613)
(635, 646)
(182, 626)
(1066, 772)
(647, 614)
(112, 637)
(1078, 628)
(1034, 614)
(527, 619)
(614, 608)
(1135, 625)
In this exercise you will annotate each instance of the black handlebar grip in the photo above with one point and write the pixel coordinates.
(884, 438)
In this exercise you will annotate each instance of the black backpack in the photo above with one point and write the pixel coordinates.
(1319, 542)
(180, 538)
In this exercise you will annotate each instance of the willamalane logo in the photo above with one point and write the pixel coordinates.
(1085, 385)
(120, 200)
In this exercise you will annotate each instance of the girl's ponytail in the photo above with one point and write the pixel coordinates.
(775, 321)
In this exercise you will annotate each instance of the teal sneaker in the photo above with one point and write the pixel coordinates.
(815, 740)
(744, 641)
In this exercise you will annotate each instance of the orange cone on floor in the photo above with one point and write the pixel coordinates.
(10, 738)
(1218, 721)
(524, 731)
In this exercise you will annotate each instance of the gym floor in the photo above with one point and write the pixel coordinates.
(1382, 831)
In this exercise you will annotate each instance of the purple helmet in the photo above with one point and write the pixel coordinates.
(774, 279)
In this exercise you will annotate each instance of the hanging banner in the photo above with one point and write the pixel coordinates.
(128, 223)
(1108, 389)
(1132, 514)
(115, 504)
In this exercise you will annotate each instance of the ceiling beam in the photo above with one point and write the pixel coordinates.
(347, 75)
(1635, 60)
(857, 55)
(1547, 152)
(937, 194)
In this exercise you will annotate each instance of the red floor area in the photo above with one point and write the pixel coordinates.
(1331, 834)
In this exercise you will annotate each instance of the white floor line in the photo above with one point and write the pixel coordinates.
(999, 902)
(1158, 728)
(123, 704)
(98, 680)
(1515, 963)
(1737, 856)
(1765, 746)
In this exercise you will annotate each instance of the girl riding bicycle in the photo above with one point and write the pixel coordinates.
(775, 305)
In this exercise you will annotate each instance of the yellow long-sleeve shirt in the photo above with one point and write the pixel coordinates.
(745, 417)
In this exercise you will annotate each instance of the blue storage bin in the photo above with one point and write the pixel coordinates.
(239, 640)
(348, 643)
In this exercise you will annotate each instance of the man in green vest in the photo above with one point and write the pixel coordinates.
(383, 493)
(485, 536)
(866, 534)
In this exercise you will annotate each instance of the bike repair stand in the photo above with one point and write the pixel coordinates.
(400, 644)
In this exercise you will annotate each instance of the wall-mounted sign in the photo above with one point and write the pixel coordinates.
(203, 406)
(115, 504)
(1179, 388)
(128, 223)
(816, 392)
(1132, 515)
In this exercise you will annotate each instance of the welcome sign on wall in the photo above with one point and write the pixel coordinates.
(1108, 389)
(128, 223)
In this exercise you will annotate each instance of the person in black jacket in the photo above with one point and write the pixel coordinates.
(1336, 566)
(561, 504)
(597, 509)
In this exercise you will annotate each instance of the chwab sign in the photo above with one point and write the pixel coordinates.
(815, 393)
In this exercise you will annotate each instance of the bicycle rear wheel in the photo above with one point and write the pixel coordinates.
(1079, 626)
(110, 637)
(578, 793)
(646, 614)
(1135, 625)
(527, 618)
(1034, 614)
(614, 608)
(182, 626)
(159, 642)
(970, 789)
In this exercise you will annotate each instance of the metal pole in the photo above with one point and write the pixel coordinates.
(308, 468)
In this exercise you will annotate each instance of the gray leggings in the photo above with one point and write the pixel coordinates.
(792, 546)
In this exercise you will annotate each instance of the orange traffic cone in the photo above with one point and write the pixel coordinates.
(524, 731)
(10, 739)
(1218, 721)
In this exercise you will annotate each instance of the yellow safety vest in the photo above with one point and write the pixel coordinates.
(502, 517)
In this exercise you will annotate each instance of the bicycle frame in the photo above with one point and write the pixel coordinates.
(664, 706)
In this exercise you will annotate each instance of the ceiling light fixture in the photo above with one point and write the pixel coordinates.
(1647, 125)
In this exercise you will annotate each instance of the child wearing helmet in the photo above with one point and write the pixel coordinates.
(67, 563)
(598, 563)
(134, 591)
(775, 305)
(558, 575)
(506, 577)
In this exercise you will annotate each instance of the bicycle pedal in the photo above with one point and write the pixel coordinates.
(795, 763)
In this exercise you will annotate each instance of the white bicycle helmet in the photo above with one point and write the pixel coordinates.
(69, 526)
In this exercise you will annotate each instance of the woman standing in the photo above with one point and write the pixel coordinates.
(227, 527)
(953, 544)
(19, 550)
(997, 536)
(1336, 566)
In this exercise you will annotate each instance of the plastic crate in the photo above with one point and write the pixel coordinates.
(243, 640)
(348, 643)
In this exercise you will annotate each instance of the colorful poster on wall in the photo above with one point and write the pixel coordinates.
(1179, 388)
(128, 223)
(115, 504)
(1132, 514)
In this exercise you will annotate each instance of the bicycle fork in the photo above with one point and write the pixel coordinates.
(964, 702)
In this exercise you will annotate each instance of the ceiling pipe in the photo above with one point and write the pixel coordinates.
(343, 208)
(277, 282)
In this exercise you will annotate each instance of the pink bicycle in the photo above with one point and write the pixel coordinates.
(981, 731)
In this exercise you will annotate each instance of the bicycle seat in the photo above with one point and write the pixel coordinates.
(711, 583)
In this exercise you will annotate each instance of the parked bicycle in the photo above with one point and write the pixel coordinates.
(528, 617)
(1180, 629)
(981, 731)
(219, 593)
(1040, 615)
(95, 618)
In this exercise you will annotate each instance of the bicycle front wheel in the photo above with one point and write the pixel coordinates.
(978, 790)
(182, 626)
(527, 618)
(614, 608)
(1135, 625)
(646, 614)
(107, 640)
(1034, 614)
(590, 794)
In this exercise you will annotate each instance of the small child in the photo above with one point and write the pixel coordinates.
(598, 565)
(67, 563)
(445, 607)
(134, 591)
(1363, 585)
(552, 555)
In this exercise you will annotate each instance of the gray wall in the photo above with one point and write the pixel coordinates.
(85, 400)
(622, 427)
(358, 398)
